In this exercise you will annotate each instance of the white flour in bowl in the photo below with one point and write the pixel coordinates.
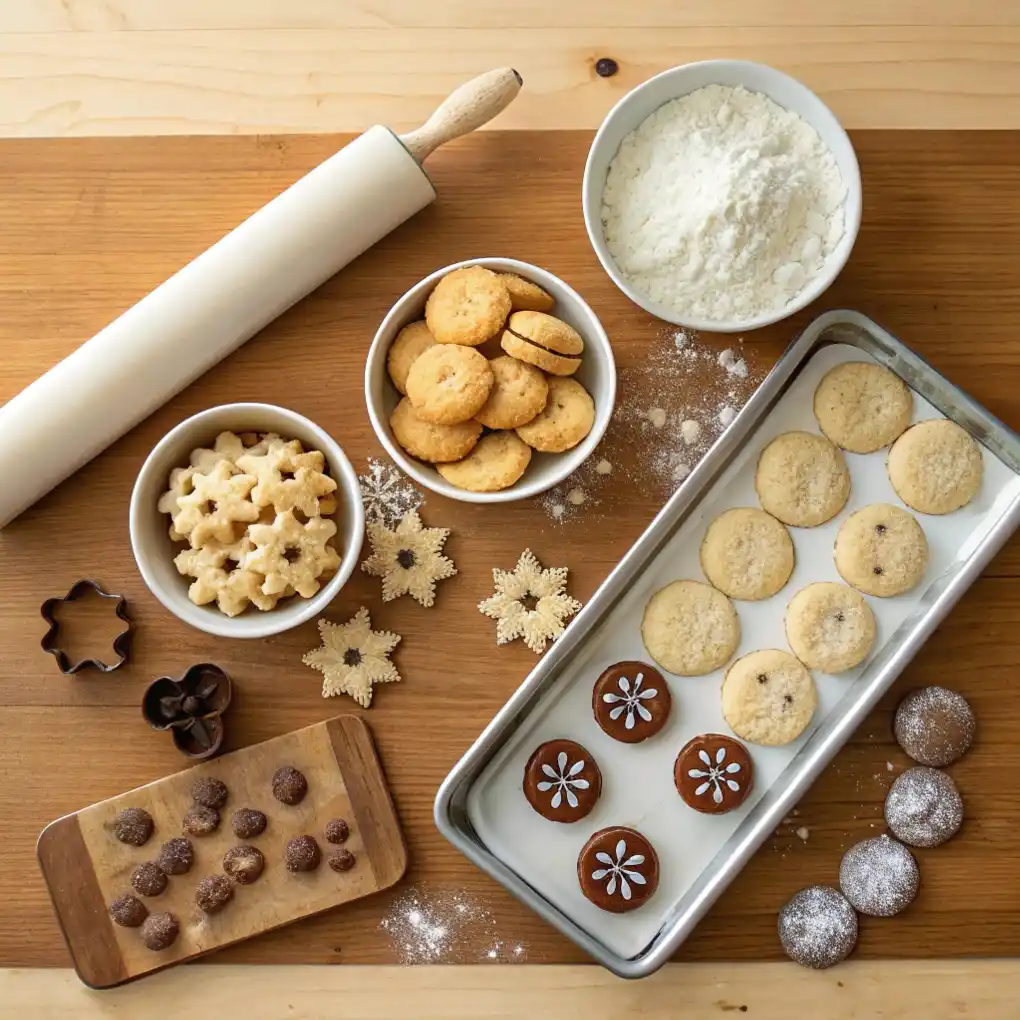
(722, 206)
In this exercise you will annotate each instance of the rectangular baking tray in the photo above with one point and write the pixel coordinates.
(480, 807)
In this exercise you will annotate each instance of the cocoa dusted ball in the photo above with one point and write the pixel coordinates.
(244, 864)
(341, 860)
(818, 927)
(148, 879)
(213, 893)
(201, 820)
(128, 911)
(160, 931)
(289, 785)
(935, 726)
(176, 856)
(302, 854)
(209, 792)
(133, 826)
(248, 823)
(337, 830)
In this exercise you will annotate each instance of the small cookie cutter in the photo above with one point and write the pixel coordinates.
(121, 643)
(191, 707)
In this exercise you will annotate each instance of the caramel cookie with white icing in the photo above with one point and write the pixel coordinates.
(562, 781)
(714, 774)
(631, 701)
(618, 869)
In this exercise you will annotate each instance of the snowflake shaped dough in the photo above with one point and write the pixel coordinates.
(408, 559)
(716, 776)
(218, 501)
(353, 657)
(561, 779)
(629, 700)
(620, 870)
(292, 554)
(541, 624)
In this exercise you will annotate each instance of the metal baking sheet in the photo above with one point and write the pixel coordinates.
(480, 806)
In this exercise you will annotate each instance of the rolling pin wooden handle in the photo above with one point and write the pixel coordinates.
(475, 103)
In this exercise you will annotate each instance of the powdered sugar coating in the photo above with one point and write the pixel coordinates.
(923, 807)
(879, 876)
(935, 726)
(818, 927)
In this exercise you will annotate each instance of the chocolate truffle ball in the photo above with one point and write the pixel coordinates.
(935, 726)
(201, 820)
(818, 927)
(289, 785)
(176, 856)
(248, 823)
(244, 864)
(302, 854)
(209, 792)
(133, 826)
(923, 807)
(128, 911)
(337, 830)
(213, 893)
(879, 877)
(160, 931)
(148, 879)
(341, 860)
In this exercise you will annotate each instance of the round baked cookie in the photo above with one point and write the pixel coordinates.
(213, 893)
(128, 911)
(302, 854)
(437, 444)
(176, 856)
(200, 820)
(562, 781)
(519, 391)
(567, 417)
(923, 807)
(149, 879)
(526, 296)
(713, 774)
(768, 697)
(618, 869)
(830, 627)
(133, 826)
(631, 701)
(690, 628)
(881, 550)
(747, 554)
(160, 931)
(467, 307)
(289, 785)
(818, 927)
(448, 384)
(412, 341)
(497, 461)
(862, 406)
(935, 726)
(244, 864)
(879, 876)
(544, 341)
(935, 466)
(802, 479)
(210, 792)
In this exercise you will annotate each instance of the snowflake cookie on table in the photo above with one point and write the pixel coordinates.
(538, 624)
(409, 559)
(353, 657)
(386, 494)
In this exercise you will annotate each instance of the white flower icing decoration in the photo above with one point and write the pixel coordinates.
(562, 779)
(716, 776)
(630, 701)
(621, 869)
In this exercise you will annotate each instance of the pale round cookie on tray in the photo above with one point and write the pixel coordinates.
(467, 307)
(566, 419)
(690, 628)
(881, 550)
(544, 341)
(519, 392)
(747, 554)
(802, 479)
(526, 296)
(862, 406)
(935, 466)
(436, 444)
(498, 461)
(768, 697)
(830, 627)
(412, 341)
(448, 384)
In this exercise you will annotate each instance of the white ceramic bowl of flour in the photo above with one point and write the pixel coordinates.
(724, 224)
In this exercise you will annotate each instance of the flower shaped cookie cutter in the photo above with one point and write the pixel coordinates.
(50, 640)
(191, 707)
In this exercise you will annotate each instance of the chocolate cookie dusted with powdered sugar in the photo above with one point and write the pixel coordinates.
(818, 927)
(923, 807)
(879, 877)
(935, 726)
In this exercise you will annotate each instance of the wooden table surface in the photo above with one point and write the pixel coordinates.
(89, 226)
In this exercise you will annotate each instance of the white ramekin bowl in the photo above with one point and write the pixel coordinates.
(154, 552)
(789, 93)
(597, 375)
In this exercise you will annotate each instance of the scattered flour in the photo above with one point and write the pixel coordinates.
(690, 431)
(576, 497)
(726, 416)
(803, 832)
(603, 467)
(657, 416)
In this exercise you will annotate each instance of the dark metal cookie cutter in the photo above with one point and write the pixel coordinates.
(191, 708)
(121, 643)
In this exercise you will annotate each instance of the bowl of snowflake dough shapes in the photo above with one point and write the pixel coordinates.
(490, 380)
(722, 195)
(246, 520)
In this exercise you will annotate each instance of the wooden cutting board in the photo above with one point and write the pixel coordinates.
(86, 867)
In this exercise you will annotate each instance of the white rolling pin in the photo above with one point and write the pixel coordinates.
(225, 296)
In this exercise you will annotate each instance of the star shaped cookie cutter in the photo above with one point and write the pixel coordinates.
(121, 643)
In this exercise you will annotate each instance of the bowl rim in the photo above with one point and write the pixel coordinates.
(425, 474)
(216, 623)
(853, 204)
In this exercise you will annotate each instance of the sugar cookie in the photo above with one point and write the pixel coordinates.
(768, 697)
(519, 392)
(747, 554)
(410, 342)
(830, 627)
(802, 479)
(542, 340)
(436, 444)
(467, 307)
(566, 419)
(495, 463)
(881, 550)
(689, 628)
(935, 466)
(862, 406)
(526, 296)
(448, 384)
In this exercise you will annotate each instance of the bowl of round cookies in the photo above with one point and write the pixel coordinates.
(246, 520)
(490, 380)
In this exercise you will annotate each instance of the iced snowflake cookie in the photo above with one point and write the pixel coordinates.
(562, 781)
(448, 384)
(935, 467)
(411, 342)
(768, 697)
(690, 628)
(802, 479)
(526, 296)
(437, 444)
(496, 463)
(568, 416)
(830, 627)
(935, 726)
(881, 550)
(519, 391)
(713, 774)
(631, 701)
(544, 341)
(923, 807)
(618, 869)
(862, 406)
(879, 877)
(747, 554)
(467, 307)
(818, 927)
